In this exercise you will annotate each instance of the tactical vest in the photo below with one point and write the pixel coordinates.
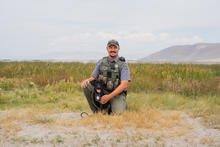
(111, 73)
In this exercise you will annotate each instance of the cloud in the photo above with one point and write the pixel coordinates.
(144, 36)
(74, 38)
(147, 37)
(189, 40)
(138, 36)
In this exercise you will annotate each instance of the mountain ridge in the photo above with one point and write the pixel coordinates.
(200, 52)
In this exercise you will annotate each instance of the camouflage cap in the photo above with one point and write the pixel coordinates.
(113, 42)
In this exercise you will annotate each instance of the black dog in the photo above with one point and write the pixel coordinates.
(98, 88)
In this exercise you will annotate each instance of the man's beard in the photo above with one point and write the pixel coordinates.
(113, 56)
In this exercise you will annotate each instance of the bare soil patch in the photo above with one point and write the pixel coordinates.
(16, 129)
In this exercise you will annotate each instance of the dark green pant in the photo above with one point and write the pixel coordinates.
(118, 103)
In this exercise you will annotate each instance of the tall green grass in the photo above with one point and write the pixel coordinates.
(186, 79)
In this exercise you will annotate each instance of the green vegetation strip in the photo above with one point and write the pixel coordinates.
(55, 87)
(184, 79)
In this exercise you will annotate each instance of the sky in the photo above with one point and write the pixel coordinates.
(80, 29)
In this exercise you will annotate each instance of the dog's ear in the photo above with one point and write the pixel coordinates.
(93, 82)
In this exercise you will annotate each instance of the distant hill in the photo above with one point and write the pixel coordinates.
(199, 53)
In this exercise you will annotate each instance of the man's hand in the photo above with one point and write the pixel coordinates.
(118, 90)
(84, 83)
(105, 99)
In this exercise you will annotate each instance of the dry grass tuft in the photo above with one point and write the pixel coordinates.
(64, 122)
(149, 119)
(207, 140)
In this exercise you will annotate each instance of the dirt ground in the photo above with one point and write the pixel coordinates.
(42, 134)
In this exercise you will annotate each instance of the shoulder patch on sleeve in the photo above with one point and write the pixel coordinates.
(125, 66)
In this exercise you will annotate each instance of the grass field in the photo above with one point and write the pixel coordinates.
(55, 88)
(165, 104)
(185, 79)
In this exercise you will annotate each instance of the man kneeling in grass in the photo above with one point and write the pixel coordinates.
(114, 72)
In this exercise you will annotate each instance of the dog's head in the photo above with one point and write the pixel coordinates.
(98, 84)
(98, 87)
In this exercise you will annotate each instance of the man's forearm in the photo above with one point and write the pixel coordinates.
(119, 89)
(91, 78)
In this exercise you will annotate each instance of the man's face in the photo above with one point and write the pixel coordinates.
(113, 50)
